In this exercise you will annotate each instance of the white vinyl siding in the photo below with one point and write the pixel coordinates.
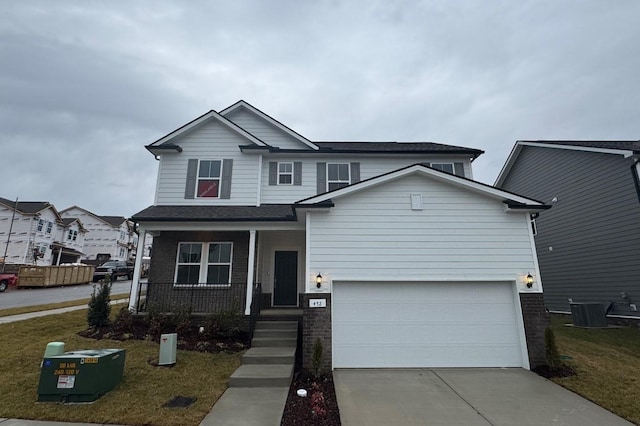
(458, 235)
(370, 166)
(264, 131)
(209, 141)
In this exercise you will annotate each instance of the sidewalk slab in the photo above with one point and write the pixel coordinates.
(248, 407)
(37, 314)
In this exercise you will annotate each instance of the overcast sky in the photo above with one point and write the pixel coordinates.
(85, 85)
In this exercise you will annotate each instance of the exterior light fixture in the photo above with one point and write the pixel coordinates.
(529, 280)
(318, 280)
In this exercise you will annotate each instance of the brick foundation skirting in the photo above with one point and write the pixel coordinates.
(316, 324)
(536, 320)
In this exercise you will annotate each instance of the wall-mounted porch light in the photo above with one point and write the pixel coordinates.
(529, 280)
(318, 280)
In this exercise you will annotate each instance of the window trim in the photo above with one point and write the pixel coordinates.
(453, 167)
(329, 181)
(203, 265)
(40, 225)
(49, 227)
(280, 173)
(198, 178)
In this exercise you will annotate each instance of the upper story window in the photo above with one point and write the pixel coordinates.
(285, 173)
(72, 235)
(40, 225)
(208, 263)
(209, 175)
(445, 167)
(49, 227)
(122, 235)
(338, 176)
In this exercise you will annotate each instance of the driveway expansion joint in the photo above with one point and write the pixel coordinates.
(461, 397)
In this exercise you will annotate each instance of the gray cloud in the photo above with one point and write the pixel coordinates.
(85, 85)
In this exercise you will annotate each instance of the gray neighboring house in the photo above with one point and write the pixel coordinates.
(588, 244)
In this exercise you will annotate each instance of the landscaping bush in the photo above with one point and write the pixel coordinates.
(316, 359)
(551, 350)
(99, 305)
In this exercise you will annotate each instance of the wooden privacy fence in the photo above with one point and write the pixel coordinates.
(45, 276)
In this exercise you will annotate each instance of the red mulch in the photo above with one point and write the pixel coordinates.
(318, 408)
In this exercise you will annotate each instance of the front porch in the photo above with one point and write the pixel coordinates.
(261, 270)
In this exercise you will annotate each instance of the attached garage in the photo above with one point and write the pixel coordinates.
(425, 324)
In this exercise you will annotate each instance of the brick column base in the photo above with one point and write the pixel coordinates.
(536, 320)
(316, 324)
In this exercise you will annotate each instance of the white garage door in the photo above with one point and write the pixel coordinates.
(379, 325)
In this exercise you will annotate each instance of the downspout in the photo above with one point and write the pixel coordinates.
(635, 172)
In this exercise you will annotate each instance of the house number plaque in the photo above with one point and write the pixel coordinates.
(317, 303)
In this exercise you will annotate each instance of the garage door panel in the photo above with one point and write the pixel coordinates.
(424, 325)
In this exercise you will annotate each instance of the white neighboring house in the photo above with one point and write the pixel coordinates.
(39, 235)
(391, 252)
(109, 238)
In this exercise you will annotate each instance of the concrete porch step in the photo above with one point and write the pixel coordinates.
(267, 332)
(274, 342)
(276, 325)
(269, 356)
(260, 376)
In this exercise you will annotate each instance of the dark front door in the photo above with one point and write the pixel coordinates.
(285, 279)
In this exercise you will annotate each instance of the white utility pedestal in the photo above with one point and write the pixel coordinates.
(168, 345)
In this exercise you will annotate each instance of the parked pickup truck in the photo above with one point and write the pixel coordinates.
(7, 280)
(115, 268)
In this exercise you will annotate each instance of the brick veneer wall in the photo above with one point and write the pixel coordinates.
(316, 323)
(536, 320)
(163, 264)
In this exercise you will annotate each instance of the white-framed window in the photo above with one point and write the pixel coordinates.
(122, 235)
(40, 225)
(338, 175)
(121, 251)
(534, 227)
(204, 263)
(285, 173)
(72, 235)
(49, 227)
(42, 248)
(209, 175)
(445, 167)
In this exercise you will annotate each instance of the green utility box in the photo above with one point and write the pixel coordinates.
(80, 376)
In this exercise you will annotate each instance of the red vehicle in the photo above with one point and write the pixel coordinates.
(7, 280)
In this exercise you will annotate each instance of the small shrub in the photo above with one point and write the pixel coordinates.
(551, 350)
(124, 320)
(182, 319)
(99, 305)
(316, 359)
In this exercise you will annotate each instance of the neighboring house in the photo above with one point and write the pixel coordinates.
(38, 234)
(110, 237)
(589, 242)
(394, 255)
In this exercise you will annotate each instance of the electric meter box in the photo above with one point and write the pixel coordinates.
(80, 376)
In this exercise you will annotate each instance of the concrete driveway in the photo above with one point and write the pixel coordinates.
(462, 396)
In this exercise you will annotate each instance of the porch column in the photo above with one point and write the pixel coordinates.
(59, 255)
(135, 284)
(250, 268)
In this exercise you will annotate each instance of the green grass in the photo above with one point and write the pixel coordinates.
(49, 306)
(137, 400)
(607, 362)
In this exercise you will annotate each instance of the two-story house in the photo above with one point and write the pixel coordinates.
(589, 242)
(110, 237)
(38, 234)
(395, 256)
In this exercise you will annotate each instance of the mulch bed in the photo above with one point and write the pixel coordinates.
(318, 408)
(549, 373)
(189, 338)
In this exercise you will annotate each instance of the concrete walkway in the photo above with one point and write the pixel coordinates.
(464, 396)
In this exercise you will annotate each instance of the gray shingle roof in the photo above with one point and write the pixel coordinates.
(623, 145)
(269, 212)
(409, 147)
(113, 220)
(27, 207)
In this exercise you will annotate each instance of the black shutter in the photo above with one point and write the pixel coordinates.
(321, 178)
(355, 173)
(297, 173)
(225, 184)
(192, 171)
(273, 173)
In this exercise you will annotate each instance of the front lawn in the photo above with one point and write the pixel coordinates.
(137, 400)
(607, 362)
